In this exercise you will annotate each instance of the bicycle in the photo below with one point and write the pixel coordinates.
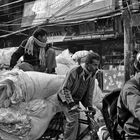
(92, 126)
(91, 129)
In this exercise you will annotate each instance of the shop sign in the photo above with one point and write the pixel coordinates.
(101, 26)
(56, 38)
(81, 37)
(56, 34)
(112, 79)
(86, 37)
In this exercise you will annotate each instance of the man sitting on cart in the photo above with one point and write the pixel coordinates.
(37, 54)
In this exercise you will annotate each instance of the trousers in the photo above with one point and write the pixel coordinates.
(71, 124)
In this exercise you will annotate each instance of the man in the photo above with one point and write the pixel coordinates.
(129, 105)
(78, 86)
(50, 59)
(33, 51)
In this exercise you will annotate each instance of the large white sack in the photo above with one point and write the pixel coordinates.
(38, 104)
(65, 58)
(64, 62)
(39, 113)
(62, 69)
(41, 116)
(5, 55)
(32, 85)
(45, 85)
(97, 95)
(27, 93)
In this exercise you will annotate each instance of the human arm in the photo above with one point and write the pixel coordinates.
(17, 54)
(65, 91)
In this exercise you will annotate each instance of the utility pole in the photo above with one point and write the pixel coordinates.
(127, 43)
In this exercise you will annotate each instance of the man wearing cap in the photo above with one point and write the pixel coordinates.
(34, 53)
(78, 87)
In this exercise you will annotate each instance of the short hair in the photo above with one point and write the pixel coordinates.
(92, 55)
(39, 31)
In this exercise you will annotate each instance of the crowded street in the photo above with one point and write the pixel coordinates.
(69, 69)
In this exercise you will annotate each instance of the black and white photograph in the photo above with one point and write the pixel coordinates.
(69, 69)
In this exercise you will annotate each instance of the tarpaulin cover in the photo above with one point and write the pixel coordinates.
(25, 109)
(5, 55)
(64, 62)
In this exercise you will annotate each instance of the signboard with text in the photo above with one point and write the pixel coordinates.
(56, 34)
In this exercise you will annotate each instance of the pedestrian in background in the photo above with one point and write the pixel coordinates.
(50, 59)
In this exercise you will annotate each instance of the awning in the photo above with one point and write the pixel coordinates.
(89, 11)
(82, 20)
(52, 12)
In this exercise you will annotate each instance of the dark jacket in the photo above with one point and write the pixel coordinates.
(129, 107)
(77, 87)
(31, 59)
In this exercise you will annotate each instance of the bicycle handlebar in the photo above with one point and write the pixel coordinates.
(92, 123)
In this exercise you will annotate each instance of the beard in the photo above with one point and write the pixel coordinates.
(93, 71)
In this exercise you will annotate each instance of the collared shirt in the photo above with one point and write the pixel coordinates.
(77, 87)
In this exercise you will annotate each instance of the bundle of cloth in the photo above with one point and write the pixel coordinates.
(64, 62)
(25, 108)
(27, 105)
(5, 55)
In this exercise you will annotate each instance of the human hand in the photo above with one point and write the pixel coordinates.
(74, 108)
